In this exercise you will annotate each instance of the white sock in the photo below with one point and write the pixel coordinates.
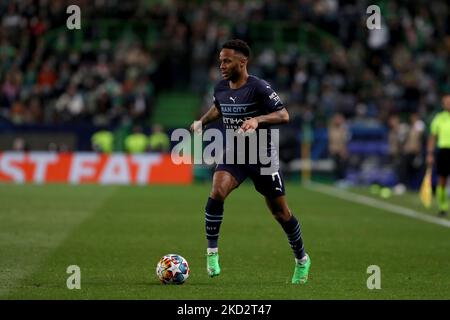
(212, 250)
(302, 260)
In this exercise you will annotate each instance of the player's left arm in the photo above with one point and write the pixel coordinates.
(271, 102)
(276, 117)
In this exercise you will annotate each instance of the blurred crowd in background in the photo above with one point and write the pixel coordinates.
(391, 77)
(46, 82)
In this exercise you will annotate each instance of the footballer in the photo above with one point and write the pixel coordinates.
(247, 104)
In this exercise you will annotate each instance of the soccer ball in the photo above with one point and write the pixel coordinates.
(172, 268)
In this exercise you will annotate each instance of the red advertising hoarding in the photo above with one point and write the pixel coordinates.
(88, 167)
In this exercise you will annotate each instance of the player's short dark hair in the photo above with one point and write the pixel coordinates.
(239, 46)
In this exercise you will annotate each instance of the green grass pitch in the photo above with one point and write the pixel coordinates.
(117, 234)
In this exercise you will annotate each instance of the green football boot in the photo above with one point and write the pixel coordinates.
(301, 272)
(212, 264)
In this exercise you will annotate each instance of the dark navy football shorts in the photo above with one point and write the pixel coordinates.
(443, 162)
(270, 186)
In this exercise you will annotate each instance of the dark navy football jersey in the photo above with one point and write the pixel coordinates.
(254, 98)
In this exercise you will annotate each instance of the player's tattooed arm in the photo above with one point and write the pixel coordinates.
(277, 117)
(211, 115)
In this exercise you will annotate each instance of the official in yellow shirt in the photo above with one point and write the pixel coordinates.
(440, 137)
(159, 141)
(136, 142)
(103, 141)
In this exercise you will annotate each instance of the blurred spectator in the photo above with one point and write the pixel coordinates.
(158, 140)
(338, 136)
(413, 155)
(70, 104)
(47, 77)
(396, 139)
(136, 142)
(19, 144)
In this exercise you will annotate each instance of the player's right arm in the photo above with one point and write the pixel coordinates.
(430, 149)
(431, 144)
(211, 115)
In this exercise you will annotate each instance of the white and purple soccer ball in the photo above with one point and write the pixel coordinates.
(172, 269)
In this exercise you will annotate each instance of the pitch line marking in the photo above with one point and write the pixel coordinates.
(353, 197)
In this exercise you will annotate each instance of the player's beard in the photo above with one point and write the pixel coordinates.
(233, 76)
